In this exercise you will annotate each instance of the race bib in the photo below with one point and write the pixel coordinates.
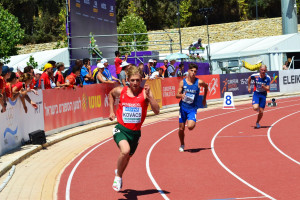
(132, 114)
(189, 98)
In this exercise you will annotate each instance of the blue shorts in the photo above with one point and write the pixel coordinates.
(260, 99)
(187, 114)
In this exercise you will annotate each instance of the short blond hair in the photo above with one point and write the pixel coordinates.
(133, 70)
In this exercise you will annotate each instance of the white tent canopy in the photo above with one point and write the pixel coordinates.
(42, 57)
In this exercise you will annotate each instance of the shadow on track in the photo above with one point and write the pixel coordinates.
(196, 150)
(133, 194)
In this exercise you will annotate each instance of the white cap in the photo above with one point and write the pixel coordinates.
(100, 65)
(151, 60)
(103, 61)
(21, 68)
(37, 71)
(124, 64)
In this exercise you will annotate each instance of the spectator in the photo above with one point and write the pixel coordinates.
(123, 74)
(165, 67)
(142, 68)
(53, 63)
(171, 69)
(5, 74)
(71, 79)
(20, 71)
(106, 71)
(118, 62)
(157, 74)
(44, 81)
(154, 63)
(2, 90)
(22, 88)
(101, 78)
(151, 67)
(286, 65)
(198, 44)
(180, 72)
(59, 78)
(37, 76)
(86, 72)
(29, 70)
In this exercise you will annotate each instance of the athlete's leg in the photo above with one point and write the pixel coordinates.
(262, 104)
(124, 157)
(181, 133)
(255, 107)
(260, 114)
(191, 124)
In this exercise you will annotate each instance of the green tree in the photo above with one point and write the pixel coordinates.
(185, 14)
(131, 24)
(32, 62)
(10, 35)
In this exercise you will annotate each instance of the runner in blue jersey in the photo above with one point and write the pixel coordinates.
(188, 92)
(261, 86)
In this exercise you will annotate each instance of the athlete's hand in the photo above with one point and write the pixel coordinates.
(147, 90)
(204, 102)
(249, 89)
(111, 116)
(183, 96)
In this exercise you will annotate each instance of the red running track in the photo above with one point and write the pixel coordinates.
(225, 158)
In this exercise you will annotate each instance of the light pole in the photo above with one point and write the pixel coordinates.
(256, 11)
(206, 12)
(178, 24)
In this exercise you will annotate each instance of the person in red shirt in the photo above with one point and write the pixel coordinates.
(29, 70)
(71, 79)
(132, 111)
(5, 74)
(48, 70)
(59, 78)
(118, 62)
(2, 89)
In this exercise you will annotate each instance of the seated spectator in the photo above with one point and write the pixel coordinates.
(59, 78)
(180, 72)
(123, 74)
(286, 65)
(157, 74)
(44, 81)
(101, 78)
(71, 79)
(86, 74)
(165, 67)
(171, 69)
(106, 71)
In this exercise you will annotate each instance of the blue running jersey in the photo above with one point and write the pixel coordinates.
(259, 81)
(191, 96)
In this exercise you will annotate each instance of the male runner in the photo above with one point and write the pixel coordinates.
(131, 114)
(188, 92)
(261, 86)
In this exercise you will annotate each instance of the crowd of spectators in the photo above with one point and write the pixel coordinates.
(15, 85)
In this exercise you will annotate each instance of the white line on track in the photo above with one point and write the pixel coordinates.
(226, 168)
(270, 140)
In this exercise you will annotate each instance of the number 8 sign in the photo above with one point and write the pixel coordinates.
(228, 101)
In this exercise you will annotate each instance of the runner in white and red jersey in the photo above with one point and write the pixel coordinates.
(131, 114)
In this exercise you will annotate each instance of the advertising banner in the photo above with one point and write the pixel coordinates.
(64, 107)
(16, 124)
(169, 88)
(213, 82)
(155, 87)
(289, 80)
(238, 83)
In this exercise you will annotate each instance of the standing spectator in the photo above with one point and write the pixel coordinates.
(118, 62)
(286, 65)
(19, 72)
(151, 67)
(101, 78)
(71, 79)
(53, 63)
(142, 68)
(37, 76)
(154, 63)
(22, 88)
(45, 78)
(106, 71)
(2, 90)
(157, 74)
(6, 73)
(29, 70)
(171, 69)
(86, 72)
(180, 72)
(123, 74)
(59, 78)
(165, 67)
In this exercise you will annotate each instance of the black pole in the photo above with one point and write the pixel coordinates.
(178, 24)
(208, 46)
(256, 11)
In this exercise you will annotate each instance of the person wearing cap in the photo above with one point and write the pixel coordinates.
(118, 62)
(101, 78)
(2, 90)
(106, 71)
(151, 67)
(20, 71)
(123, 74)
(6, 73)
(171, 69)
(48, 70)
(37, 76)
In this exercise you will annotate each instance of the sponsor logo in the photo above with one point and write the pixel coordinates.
(292, 79)
(84, 102)
(274, 78)
(12, 132)
(212, 86)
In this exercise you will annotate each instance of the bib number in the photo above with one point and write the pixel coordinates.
(132, 114)
(189, 98)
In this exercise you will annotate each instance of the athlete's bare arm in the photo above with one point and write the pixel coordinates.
(266, 87)
(179, 94)
(149, 96)
(203, 84)
(249, 84)
(113, 94)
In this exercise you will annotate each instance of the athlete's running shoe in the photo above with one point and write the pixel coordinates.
(117, 185)
(181, 148)
(257, 125)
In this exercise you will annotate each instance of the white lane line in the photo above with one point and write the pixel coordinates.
(152, 147)
(241, 136)
(226, 168)
(272, 143)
